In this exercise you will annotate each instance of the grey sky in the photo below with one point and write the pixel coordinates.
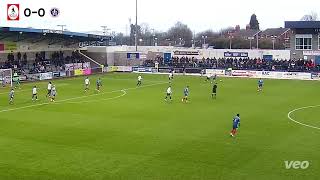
(82, 15)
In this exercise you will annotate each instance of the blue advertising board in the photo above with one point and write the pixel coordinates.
(317, 60)
(133, 55)
(268, 57)
(167, 57)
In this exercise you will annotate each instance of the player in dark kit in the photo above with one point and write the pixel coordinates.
(53, 93)
(235, 125)
(186, 94)
(214, 91)
(260, 85)
(99, 84)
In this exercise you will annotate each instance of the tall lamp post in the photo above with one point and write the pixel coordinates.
(180, 41)
(155, 41)
(62, 27)
(250, 39)
(230, 42)
(136, 28)
(258, 40)
(273, 40)
(204, 39)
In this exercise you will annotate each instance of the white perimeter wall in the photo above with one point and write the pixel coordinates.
(203, 53)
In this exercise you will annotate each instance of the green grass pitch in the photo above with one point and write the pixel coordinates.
(136, 135)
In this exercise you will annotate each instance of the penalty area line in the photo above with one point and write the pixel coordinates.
(97, 100)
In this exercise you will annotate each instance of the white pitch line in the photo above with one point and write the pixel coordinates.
(64, 100)
(98, 100)
(131, 79)
(307, 125)
(65, 84)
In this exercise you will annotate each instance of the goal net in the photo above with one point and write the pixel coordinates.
(6, 77)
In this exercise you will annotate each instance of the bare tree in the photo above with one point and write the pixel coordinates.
(313, 16)
(209, 33)
(225, 31)
(181, 34)
(145, 29)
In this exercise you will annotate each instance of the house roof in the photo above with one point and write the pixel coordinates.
(247, 33)
(274, 31)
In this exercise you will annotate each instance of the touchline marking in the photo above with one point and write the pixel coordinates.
(307, 125)
(64, 100)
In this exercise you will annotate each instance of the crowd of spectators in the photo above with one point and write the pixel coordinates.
(40, 64)
(239, 64)
(58, 58)
(12, 61)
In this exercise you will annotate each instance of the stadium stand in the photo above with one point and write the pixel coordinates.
(238, 64)
(31, 51)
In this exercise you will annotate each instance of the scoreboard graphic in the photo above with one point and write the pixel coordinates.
(14, 12)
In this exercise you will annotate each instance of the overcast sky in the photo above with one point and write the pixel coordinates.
(82, 15)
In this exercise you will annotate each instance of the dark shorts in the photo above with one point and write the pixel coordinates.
(214, 92)
(49, 91)
(168, 94)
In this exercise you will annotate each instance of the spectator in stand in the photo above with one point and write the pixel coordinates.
(19, 56)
